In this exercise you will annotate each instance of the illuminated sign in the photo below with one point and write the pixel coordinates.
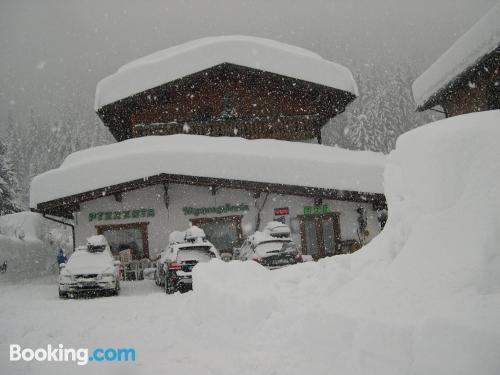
(196, 211)
(122, 215)
(281, 211)
(317, 210)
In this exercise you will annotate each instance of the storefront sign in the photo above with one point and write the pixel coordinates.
(317, 210)
(281, 214)
(281, 211)
(196, 211)
(121, 215)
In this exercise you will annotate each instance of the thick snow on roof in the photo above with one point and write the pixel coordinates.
(258, 53)
(264, 160)
(480, 40)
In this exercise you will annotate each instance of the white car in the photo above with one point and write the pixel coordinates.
(91, 270)
(185, 250)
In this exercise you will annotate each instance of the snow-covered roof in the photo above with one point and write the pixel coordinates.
(257, 53)
(263, 160)
(480, 40)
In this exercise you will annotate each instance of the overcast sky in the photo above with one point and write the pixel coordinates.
(53, 52)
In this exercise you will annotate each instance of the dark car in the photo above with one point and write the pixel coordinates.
(271, 252)
(174, 268)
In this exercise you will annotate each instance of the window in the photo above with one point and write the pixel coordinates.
(223, 232)
(320, 235)
(133, 237)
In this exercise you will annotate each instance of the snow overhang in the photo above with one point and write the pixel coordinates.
(468, 51)
(257, 53)
(238, 162)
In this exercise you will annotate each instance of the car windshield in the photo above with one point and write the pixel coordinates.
(197, 253)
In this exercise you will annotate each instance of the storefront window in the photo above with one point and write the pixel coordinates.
(223, 232)
(131, 237)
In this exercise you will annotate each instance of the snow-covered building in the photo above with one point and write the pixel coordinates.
(216, 92)
(466, 78)
(225, 86)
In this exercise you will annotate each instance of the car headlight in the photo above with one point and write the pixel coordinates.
(65, 278)
(105, 275)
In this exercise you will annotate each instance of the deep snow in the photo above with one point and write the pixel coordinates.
(422, 298)
(188, 58)
(480, 40)
(262, 160)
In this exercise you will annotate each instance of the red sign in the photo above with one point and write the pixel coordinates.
(282, 211)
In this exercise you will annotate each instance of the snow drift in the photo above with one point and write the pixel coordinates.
(28, 244)
(422, 298)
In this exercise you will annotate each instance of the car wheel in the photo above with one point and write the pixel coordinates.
(169, 287)
(63, 295)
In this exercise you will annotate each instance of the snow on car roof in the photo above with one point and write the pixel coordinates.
(260, 237)
(97, 240)
(480, 40)
(262, 160)
(257, 53)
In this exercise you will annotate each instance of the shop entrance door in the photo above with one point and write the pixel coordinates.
(320, 235)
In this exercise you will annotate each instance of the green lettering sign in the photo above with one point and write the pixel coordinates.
(121, 215)
(196, 211)
(317, 210)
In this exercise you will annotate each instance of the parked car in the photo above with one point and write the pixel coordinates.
(272, 251)
(184, 252)
(91, 270)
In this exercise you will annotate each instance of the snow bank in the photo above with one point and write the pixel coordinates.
(263, 160)
(480, 40)
(422, 298)
(257, 53)
(28, 244)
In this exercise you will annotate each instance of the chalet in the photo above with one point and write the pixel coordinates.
(466, 78)
(220, 132)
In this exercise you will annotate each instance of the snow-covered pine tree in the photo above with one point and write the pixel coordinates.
(384, 110)
(8, 184)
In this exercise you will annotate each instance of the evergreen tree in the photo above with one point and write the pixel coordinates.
(8, 184)
(383, 111)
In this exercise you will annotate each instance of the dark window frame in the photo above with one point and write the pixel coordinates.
(318, 220)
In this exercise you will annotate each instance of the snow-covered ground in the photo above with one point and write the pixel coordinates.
(422, 298)
(29, 244)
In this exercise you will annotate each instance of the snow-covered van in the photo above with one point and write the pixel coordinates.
(185, 250)
(91, 269)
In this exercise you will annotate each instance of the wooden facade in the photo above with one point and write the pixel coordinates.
(228, 100)
(474, 90)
